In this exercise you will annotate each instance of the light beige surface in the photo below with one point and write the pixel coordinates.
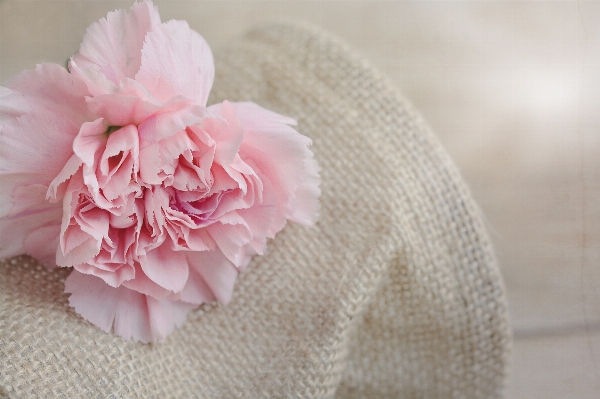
(512, 89)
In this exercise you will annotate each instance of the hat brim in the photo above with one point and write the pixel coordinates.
(394, 292)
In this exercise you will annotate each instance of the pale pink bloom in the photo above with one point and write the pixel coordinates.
(120, 171)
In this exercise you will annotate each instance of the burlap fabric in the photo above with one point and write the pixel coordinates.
(394, 294)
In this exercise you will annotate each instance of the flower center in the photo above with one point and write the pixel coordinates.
(112, 129)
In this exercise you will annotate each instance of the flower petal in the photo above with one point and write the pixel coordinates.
(15, 233)
(231, 234)
(216, 271)
(227, 131)
(113, 45)
(122, 146)
(164, 316)
(126, 103)
(12, 105)
(142, 284)
(52, 87)
(282, 155)
(37, 144)
(196, 290)
(157, 139)
(166, 267)
(132, 315)
(33, 150)
(56, 190)
(42, 242)
(31, 221)
(114, 278)
(305, 204)
(171, 119)
(176, 61)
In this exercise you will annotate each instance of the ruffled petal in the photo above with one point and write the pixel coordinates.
(142, 284)
(283, 157)
(18, 235)
(28, 200)
(113, 45)
(40, 118)
(132, 315)
(158, 144)
(171, 119)
(84, 226)
(305, 204)
(34, 229)
(90, 141)
(12, 105)
(125, 103)
(113, 278)
(231, 234)
(196, 290)
(34, 148)
(164, 316)
(52, 87)
(119, 162)
(264, 218)
(42, 242)
(95, 81)
(166, 267)
(32, 226)
(227, 131)
(176, 61)
(209, 269)
(56, 190)
(160, 159)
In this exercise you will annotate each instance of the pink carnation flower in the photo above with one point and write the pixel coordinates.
(120, 171)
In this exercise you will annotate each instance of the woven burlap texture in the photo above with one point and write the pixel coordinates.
(395, 293)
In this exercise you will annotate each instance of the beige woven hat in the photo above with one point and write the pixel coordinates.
(394, 294)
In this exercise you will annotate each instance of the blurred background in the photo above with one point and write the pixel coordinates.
(512, 89)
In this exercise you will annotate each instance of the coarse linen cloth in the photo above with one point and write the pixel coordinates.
(395, 293)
